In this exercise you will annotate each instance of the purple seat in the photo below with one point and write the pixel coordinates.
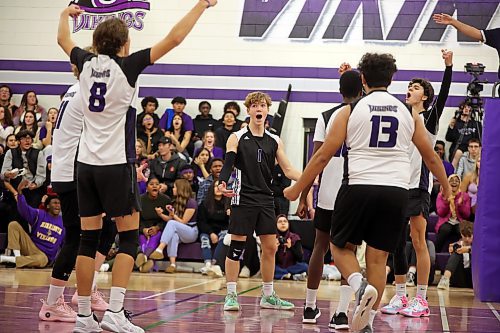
(3, 241)
(431, 223)
(442, 260)
(191, 251)
(431, 236)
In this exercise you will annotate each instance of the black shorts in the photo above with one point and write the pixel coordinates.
(244, 220)
(371, 213)
(419, 201)
(323, 219)
(110, 189)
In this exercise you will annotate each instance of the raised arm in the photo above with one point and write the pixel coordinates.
(63, 35)
(180, 30)
(466, 29)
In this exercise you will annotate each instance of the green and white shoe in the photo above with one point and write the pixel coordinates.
(231, 302)
(274, 302)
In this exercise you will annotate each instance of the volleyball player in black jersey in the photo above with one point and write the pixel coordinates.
(253, 151)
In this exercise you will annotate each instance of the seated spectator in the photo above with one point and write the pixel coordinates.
(28, 123)
(470, 184)
(439, 148)
(6, 125)
(141, 165)
(181, 226)
(29, 102)
(149, 106)
(40, 246)
(179, 136)
(30, 164)
(178, 104)
(289, 255)
(467, 162)
(458, 271)
(222, 133)
(151, 224)
(213, 222)
(462, 128)
(166, 167)
(150, 135)
(411, 254)
(215, 167)
(235, 109)
(204, 121)
(5, 99)
(187, 173)
(47, 130)
(200, 163)
(10, 143)
(208, 142)
(451, 211)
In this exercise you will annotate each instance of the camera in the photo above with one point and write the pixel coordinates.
(456, 246)
(281, 240)
(475, 87)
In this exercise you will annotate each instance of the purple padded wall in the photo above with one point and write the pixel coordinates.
(486, 247)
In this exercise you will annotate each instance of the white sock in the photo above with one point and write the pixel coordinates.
(84, 306)
(401, 289)
(116, 297)
(54, 293)
(208, 263)
(412, 269)
(267, 288)
(344, 299)
(422, 291)
(231, 287)
(373, 313)
(311, 298)
(17, 253)
(94, 281)
(354, 280)
(10, 259)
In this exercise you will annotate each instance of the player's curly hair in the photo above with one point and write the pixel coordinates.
(257, 96)
(428, 90)
(377, 69)
(110, 36)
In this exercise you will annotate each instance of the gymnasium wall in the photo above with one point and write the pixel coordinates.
(245, 45)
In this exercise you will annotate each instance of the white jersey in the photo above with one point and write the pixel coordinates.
(107, 86)
(331, 178)
(420, 176)
(66, 136)
(379, 134)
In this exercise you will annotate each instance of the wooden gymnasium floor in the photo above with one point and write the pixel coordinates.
(187, 302)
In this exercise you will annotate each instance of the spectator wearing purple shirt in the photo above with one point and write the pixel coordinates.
(209, 143)
(41, 245)
(181, 138)
(178, 104)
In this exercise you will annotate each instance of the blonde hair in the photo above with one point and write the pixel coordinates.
(184, 192)
(257, 96)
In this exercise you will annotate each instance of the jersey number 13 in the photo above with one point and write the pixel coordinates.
(384, 125)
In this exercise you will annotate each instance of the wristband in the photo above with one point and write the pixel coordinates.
(208, 3)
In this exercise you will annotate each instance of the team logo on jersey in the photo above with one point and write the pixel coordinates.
(132, 12)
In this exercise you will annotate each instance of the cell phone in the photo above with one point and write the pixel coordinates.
(170, 208)
(456, 246)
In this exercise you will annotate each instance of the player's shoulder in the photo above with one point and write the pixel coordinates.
(273, 136)
(240, 133)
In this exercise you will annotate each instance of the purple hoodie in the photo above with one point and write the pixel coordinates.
(47, 231)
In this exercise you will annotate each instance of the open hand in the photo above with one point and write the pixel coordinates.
(442, 19)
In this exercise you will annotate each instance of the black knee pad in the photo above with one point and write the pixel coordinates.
(88, 243)
(66, 258)
(129, 242)
(236, 250)
(108, 235)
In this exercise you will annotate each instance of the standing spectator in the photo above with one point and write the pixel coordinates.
(5, 99)
(470, 185)
(458, 271)
(235, 109)
(222, 133)
(204, 121)
(178, 104)
(179, 135)
(215, 167)
(213, 222)
(32, 161)
(29, 102)
(29, 123)
(451, 212)
(6, 124)
(149, 105)
(467, 162)
(289, 255)
(280, 182)
(40, 246)
(167, 166)
(181, 226)
(149, 134)
(460, 131)
(47, 130)
(151, 224)
(208, 142)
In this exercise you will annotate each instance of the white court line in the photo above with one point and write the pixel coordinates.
(174, 290)
(444, 317)
(495, 312)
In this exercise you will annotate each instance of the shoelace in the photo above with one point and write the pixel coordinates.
(277, 298)
(63, 306)
(97, 294)
(414, 302)
(128, 314)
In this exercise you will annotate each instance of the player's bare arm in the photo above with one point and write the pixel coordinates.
(63, 35)
(334, 140)
(180, 30)
(286, 166)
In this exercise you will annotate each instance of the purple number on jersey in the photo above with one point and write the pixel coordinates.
(96, 99)
(390, 126)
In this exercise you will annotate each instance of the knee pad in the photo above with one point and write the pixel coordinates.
(129, 242)
(88, 243)
(236, 250)
(107, 237)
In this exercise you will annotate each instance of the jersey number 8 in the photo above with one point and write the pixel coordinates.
(96, 99)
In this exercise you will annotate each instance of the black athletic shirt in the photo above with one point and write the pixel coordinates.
(254, 166)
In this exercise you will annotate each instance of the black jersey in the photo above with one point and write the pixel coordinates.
(255, 159)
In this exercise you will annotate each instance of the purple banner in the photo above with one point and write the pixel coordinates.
(99, 6)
